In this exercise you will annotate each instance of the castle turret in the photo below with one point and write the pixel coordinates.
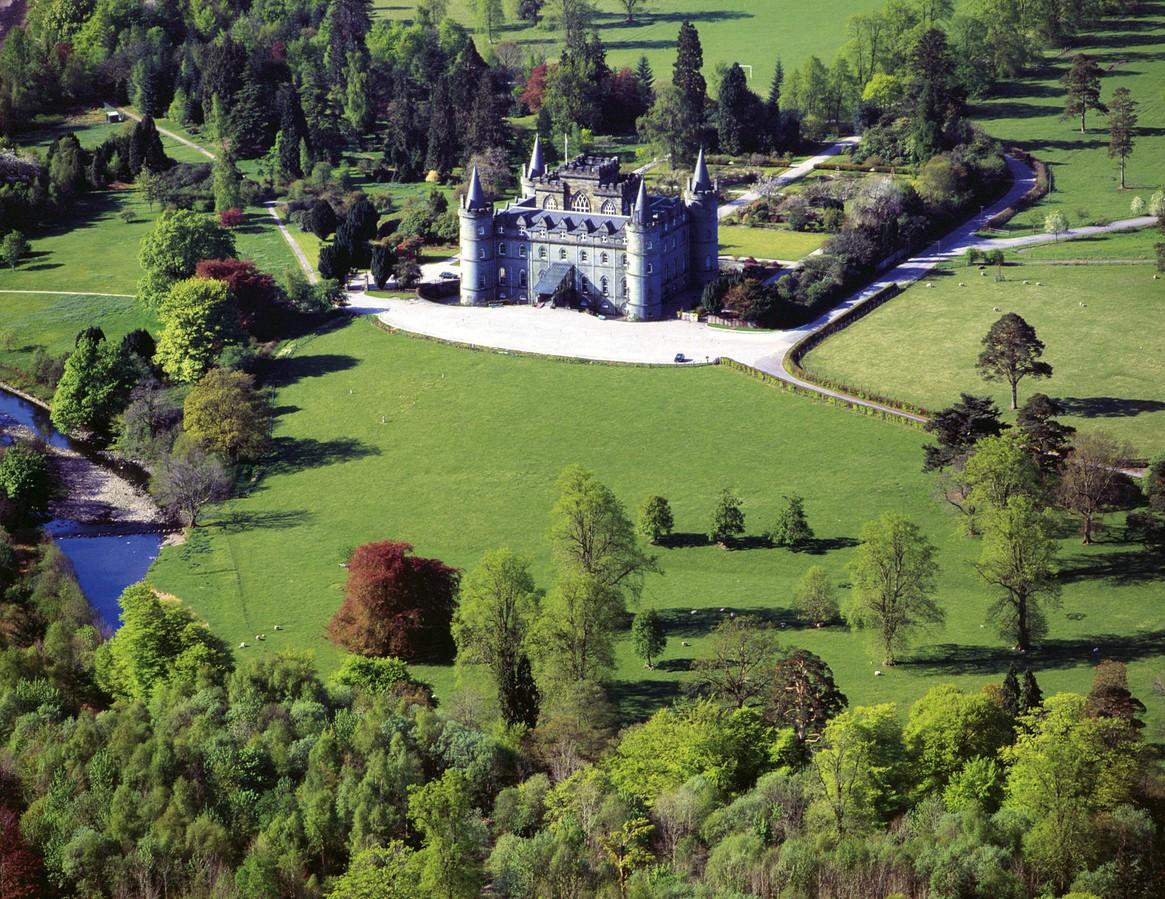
(644, 282)
(536, 168)
(478, 279)
(704, 232)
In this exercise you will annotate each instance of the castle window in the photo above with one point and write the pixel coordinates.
(501, 249)
(623, 287)
(581, 203)
(624, 259)
(603, 258)
(650, 268)
(522, 278)
(603, 284)
(501, 230)
(582, 257)
(562, 254)
(608, 207)
(650, 245)
(502, 275)
(550, 203)
(522, 250)
(542, 252)
(481, 231)
(481, 253)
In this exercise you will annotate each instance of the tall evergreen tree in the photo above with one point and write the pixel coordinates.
(736, 113)
(646, 79)
(442, 132)
(294, 130)
(1122, 127)
(692, 90)
(1082, 83)
(347, 23)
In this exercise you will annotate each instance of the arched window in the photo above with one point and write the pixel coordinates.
(542, 252)
(522, 278)
(582, 257)
(624, 259)
(481, 253)
(561, 253)
(603, 258)
(522, 250)
(603, 284)
(650, 268)
(581, 202)
(502, 275)
(550, 203)
(623, 288)
(608, 207)
(501, 249)
(481, 231)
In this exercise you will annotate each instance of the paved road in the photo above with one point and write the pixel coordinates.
(170, 134)
(796, 173)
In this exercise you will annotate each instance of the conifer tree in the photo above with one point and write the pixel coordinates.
(442, 132)
(1082, 82)
(692, 90)
(1122, 127)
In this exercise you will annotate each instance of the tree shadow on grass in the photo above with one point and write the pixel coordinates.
(1108, 406)
(286, 371)
(1117, 568)
(699, 622)
(614, 21)
(636, 700)
(296, 454)
(956, 659)
(236, 521)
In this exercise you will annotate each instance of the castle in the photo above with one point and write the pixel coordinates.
(585, 234)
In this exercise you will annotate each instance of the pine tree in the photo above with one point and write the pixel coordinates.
(735, 113)
(693, 90)
(292, 129)
(1122, 127)
(1082, 82)
(1009, 692)
(646, 79)
(381, 264)
(774, 98)
(226, 183)
(1031, 697)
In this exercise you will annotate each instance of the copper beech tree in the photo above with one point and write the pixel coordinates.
(396, 604)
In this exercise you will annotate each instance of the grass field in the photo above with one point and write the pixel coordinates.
(745, 31)
(91, 129)
(1027, 114)
(1108, 355)
(768, 243)
(1123, 245)
(384, 436)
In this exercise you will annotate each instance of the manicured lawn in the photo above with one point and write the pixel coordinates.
(1108, 355)
(91, 129)
(768, 243)
(385, 436)
(1086, 180)
(745, 31)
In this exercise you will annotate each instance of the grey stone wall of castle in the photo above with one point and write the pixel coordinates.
(586, 232)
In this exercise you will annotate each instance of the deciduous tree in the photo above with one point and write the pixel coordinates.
(574, 638)
(815, 598)
(13, 248)
(855, 767)
(958, 428)
(648, 636)
(1011, 352)
(228, 415)
(1090, 477)
(1018, 556)
(893, 575)
(179, 240)
(727, 519)
(395, 604)
(742, 650)
(453, 837)
(655, 519)
(198, 322)
(792, 527)
(27, 481)
(498, 604)
(92, 390)
(188, 480)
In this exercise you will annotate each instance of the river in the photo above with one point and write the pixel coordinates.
(105, 563)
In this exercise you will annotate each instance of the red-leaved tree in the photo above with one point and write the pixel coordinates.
(396, 604)
(20, 867)
(231, 218)
(535, 89)
(253, 292)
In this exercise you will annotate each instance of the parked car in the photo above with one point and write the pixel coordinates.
(680, 357)
(447, 276)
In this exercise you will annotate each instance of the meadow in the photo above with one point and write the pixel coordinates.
(383, 436)
(752, 33)
(1027, 113)
(1104, 327)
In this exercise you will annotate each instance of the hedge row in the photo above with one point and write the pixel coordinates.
(1037, 192)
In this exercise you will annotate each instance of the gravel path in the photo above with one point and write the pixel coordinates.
(304, 263)
(796, 173)
(170, 134)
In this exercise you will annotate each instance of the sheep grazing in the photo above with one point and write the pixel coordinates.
(962, 284)
(243, 645)
(685, 643)
(995, 309)
(1039, 284)
(877, 674)
(277, 627)
(984, 274)
(1027, 282)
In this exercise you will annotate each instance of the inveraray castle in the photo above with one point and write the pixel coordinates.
(585, 234)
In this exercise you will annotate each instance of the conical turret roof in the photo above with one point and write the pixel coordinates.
(475, 198)
(639, 213)
(700, 179)
(537, 163)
